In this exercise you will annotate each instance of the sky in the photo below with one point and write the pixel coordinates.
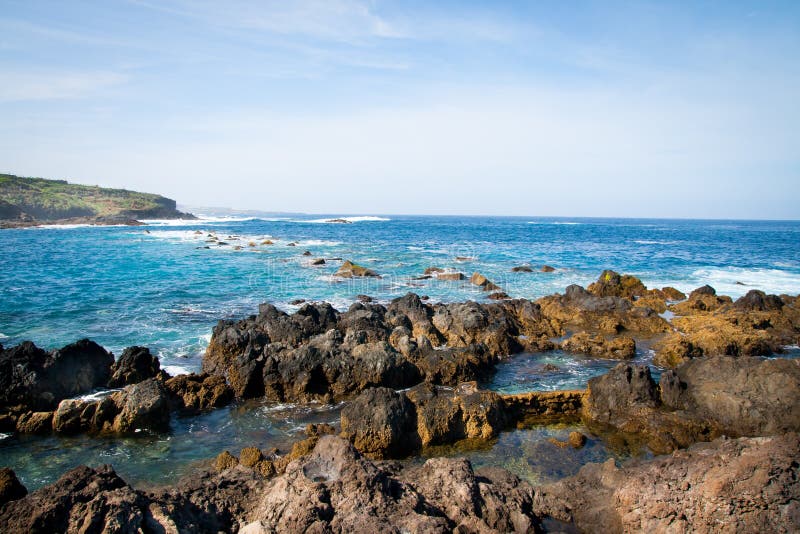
(546, 108)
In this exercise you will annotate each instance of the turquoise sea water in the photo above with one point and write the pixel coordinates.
(160, 287)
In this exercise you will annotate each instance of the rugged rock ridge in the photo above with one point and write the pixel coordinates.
(319, 353)
(699, 401)
(729, 485)
(330, 488)
(756, 324)
(383, 423)
(37, 387)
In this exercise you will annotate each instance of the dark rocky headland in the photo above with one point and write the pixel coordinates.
(723, 419)
(28, 202)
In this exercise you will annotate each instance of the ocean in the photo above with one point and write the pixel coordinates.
(165, 285)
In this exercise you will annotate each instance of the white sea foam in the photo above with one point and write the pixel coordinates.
(318, 243)
(175, 370)
(97, 395)
(68, 226)
(652, 242)
(724, 280)
(201, 219)
(3, 336)
(332, 220)
(4, 435)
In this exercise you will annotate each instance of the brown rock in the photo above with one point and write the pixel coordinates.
(617, 348)
(670, 293)
(250, 456)
(225, 460)
(351, 270)
(450, 276)
(612, 284)
(500, 295)
(380, 423)
(10, 487)
(479, 280)
(192, 393)
(743, 485)
(135, 364)
(742, 396)
(335, 489)
(547, 269)
(35, 423)
(577, 440)
(522, 269)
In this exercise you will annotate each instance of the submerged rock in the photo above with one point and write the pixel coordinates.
(522, 269)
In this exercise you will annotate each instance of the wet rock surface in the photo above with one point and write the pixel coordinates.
(140, 406)
(383, 423)
(38, 380)
(194, 393)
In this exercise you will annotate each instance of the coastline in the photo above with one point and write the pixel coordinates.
(379, 423)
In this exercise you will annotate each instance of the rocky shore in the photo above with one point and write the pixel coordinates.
(724, 419)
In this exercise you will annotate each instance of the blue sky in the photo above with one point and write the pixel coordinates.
(662, 109)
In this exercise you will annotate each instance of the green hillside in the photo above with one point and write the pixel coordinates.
(48, 200)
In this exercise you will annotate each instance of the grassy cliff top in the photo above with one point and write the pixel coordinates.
(58, 199)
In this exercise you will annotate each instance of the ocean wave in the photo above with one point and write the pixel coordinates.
(200, 220)
(355, 219)
(564, 223)
(654, 242)
(175, 370)
(70, 226)
(3, 336)
(318, 243)
(736, 281)
(97, 395)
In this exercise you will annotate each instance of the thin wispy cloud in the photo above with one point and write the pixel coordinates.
(322, 106)
(52, 85)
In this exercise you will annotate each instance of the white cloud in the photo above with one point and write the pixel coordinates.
(51, 85)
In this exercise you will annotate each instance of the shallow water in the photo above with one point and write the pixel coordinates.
(160, 287)
(152, 459)
(554, 370)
